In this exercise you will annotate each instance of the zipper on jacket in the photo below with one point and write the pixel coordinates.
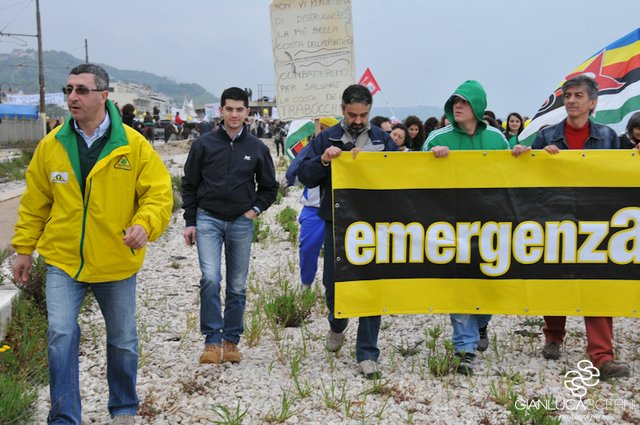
(84, 224)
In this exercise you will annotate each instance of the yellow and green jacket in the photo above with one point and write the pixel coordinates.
(81, 233)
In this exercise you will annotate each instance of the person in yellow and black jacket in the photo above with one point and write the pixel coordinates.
(96, 193)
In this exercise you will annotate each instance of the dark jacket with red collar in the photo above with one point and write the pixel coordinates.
(600, 137)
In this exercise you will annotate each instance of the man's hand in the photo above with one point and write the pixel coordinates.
(519, 150)
(355, 152)
(22, 268)
(552, 149)
(251, 214)
(135, 237)
(440, 151)
(330, 153)
(189, 235)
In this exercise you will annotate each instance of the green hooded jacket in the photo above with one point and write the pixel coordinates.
(454, 137)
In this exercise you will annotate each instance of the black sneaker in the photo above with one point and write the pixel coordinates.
(465, 364)
(483, 343)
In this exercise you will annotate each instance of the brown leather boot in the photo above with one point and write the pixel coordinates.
(211, 354)
(230, 352)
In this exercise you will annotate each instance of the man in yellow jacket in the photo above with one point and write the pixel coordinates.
(96, 193)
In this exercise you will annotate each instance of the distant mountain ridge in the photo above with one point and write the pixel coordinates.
(19, 69)
(422, 112)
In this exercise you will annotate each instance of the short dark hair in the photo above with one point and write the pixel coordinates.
(489, 113)
(403, 127)
(378, 120)
(100, 76)
(357, 93)
(582, 80)
(128, 109)
(634, 122)
(234, 93)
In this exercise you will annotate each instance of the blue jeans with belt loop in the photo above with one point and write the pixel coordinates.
(117, 301)
(237, 236)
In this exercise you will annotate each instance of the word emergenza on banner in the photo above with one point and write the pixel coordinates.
(498, 243)
(485, 232)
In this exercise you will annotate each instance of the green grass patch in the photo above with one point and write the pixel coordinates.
(176, 184)
(23, 352)
(291, 308)
(260, 230)
(288, 219)
(15, 168)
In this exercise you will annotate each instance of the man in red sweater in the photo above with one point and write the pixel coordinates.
(578, 131)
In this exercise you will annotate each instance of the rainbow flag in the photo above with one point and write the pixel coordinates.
(616, 68)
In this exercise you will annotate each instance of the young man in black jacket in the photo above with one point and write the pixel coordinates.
(220, 201)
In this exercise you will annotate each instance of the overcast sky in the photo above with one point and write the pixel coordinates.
(419, 51)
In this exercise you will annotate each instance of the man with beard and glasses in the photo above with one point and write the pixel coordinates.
(353, 133)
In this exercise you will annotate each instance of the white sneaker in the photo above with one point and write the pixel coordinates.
(334, 341)
(369, 369)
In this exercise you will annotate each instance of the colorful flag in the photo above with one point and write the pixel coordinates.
(368, 81)
(616, 68)
(300, 132)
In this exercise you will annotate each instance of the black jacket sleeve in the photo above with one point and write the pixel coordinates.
(266, 179)
(190, 183)
(311, 172)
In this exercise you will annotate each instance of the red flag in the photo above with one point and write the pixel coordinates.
(369, 82)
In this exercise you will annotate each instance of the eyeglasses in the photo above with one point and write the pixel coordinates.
(81, 91)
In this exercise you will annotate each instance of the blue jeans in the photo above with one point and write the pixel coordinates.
(237, 236)
(311, 238)
(117, 301)
(368, 327)
(465, 330)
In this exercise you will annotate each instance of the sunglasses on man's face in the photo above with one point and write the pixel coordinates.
(81, 90)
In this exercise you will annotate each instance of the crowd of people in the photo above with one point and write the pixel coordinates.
(466, 125)
(97, 192)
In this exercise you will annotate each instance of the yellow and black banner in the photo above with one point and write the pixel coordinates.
(484, 232)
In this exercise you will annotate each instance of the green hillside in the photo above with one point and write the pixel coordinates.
(19, 70)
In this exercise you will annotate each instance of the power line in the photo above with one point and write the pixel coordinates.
(16, 17)
(14, 4)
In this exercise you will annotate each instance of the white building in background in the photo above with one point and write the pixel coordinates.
(141, 97)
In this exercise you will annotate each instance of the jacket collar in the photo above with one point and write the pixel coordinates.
(595, 132)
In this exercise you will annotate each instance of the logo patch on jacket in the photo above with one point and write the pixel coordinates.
(59, 177)
(247, 158)
(123, 163)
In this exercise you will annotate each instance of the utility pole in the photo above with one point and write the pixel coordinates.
(86, 51)
(40, 62)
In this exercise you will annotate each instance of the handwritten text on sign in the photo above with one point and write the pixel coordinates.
(313, 56)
